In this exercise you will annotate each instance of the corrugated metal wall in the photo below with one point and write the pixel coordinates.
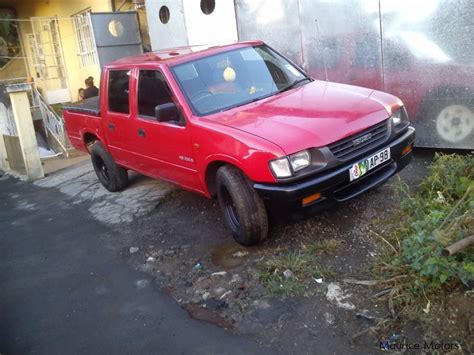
(421, 51)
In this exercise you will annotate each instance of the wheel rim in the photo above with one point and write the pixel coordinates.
(454, 123)
(102, 169)
(229, 209)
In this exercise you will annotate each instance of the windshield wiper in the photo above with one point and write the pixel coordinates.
(247, 102)
(293, 84)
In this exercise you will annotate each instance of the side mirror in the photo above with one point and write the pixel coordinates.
(166, 112)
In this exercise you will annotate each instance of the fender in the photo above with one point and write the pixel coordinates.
(96, 133)
(213, 158)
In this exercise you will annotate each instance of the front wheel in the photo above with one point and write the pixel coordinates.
(244, 211)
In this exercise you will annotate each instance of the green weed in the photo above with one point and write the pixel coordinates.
(437, 214)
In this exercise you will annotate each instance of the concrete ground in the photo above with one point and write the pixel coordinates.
(66, 287)
(79, 183)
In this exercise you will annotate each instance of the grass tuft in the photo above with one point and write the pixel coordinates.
(304, 268)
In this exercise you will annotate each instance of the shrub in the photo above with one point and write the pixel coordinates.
(437, 214)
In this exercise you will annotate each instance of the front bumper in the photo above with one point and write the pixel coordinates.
(334, 185)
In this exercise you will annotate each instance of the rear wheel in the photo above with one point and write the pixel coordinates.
(111, 176)
(243, 210)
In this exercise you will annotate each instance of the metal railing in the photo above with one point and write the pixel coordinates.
(53, 123)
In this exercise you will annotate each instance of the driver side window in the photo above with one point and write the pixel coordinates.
(153, 90)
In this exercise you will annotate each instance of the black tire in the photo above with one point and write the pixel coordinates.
(243, 210)
(111, 176)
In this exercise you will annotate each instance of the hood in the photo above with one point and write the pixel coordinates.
(312, 115)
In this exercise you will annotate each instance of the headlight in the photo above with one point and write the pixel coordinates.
(399, 118)
(300, 160)
(281, 167)
(284, 167)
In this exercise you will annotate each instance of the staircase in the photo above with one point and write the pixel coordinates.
(53, 124)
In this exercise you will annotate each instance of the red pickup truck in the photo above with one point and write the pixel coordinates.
(244, 124)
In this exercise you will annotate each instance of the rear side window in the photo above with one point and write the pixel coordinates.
(152, 91)
(118, 91)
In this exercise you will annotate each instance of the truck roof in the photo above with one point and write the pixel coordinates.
(182, 54)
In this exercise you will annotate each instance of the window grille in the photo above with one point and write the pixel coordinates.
(87, 50)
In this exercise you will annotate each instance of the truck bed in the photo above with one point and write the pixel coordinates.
(89, 106)
(81, 118)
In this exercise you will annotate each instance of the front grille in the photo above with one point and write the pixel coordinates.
(352, 146)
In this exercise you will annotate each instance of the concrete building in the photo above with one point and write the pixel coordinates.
(53, 46)
(56, 39)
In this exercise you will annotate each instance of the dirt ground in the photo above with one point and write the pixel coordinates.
(184, 246)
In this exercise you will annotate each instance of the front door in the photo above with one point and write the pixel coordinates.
(163, 149)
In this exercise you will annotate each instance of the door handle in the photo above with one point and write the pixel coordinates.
(111, 126)
(141, 132)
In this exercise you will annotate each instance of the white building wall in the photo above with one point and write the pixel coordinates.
(216, 28)
(171, 34)
(189, 25)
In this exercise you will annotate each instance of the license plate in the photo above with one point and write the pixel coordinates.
(362, 167)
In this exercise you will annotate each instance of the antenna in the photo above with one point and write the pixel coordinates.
(322, 52)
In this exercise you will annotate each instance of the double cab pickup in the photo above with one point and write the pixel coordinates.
(242, 123)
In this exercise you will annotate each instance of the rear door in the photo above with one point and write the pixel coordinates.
(162, 148)
(117, 116)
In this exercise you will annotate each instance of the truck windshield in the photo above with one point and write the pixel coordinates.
(234, 78)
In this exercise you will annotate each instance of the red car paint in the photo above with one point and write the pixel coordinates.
(248, 136)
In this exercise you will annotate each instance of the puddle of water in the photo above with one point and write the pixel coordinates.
(231, 255)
